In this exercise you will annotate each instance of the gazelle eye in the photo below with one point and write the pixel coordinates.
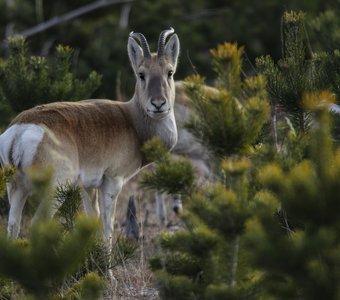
(141, 76)
(170, 73)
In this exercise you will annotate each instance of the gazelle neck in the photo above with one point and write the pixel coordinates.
(147, 127)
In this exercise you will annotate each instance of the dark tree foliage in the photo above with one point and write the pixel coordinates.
(300, 70)
(99, 37)
(30, 80)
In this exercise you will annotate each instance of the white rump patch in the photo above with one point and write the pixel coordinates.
(20, 141)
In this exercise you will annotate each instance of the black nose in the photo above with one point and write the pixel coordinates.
(158, 102)
(176, 209)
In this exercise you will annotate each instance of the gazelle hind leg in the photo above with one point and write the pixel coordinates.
(108, 194)
(17, 195)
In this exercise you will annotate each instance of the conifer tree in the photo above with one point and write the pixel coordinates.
(26, 81)
(229, 120)
(299, 70)
(304, 263)
(225, 224)
(203, 261)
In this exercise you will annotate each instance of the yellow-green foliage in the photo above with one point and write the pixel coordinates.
(6, 174)
(269, 227)
(302, 263)
(40, 263)
(88, 288)
(176, 287)
(197, 241)
(227, 63)
(169, 175)
(155, 151)
(225, 211)
(206, 253)
(42, 195)
(230, 119)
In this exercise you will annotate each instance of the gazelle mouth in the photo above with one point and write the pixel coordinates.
(160, 112)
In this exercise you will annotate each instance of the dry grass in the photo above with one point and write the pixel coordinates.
(134, 279)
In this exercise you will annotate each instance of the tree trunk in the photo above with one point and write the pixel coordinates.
(233, 260)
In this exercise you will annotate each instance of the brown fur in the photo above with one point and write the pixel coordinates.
(77, 124)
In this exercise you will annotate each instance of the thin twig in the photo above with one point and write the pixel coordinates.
(309, 46)
(191, 63)
(282, 38)
(274, 120)
(250, 63)
(124, 16)
(286, 227)
(69, 16)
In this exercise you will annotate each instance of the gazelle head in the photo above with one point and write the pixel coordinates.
(155, 87)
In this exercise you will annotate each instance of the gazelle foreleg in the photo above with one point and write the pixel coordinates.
(108, 194)
(90, 201)
(160, 208)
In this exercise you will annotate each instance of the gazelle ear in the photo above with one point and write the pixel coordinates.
(135, 53)
(171, 50)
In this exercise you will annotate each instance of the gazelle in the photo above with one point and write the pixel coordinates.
(95, 143)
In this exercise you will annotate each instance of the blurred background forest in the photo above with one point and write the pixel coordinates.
(99, 36)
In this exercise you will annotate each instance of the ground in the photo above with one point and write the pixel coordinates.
(134, 279)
